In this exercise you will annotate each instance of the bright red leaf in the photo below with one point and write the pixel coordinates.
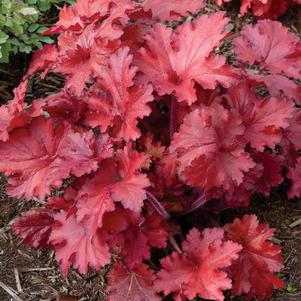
(12, 115)
(119, 101)
(34, 227)
(253, 272)
(272, 45)
(131, 284)
(74, 247)
(264, 119)
(174, 62)
(43, 60)
(39, 157)
(134, 234)
(199, 270)
(84, 52)
(294, 174)
(118, 180)
(210, 148)
(171, 10)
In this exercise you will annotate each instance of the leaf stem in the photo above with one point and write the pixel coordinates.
(157, 205)
(173, 117)
(198, 203)
(161, 210)
(174, 243)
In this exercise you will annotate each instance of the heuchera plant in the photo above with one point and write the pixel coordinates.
(151, 124)
(271, 9)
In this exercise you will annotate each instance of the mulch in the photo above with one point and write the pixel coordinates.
(33, 275)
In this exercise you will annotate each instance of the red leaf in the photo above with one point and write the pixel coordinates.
(13, 115)
(118, 180)
(74, 247)
(131, 285)
(171, 10)
(264, 119)
(174, 62)
(38, 157)
(271, 172)
(131, 235)
(211, 140)
(253, 272)
(270, 9)
(134, 234)
(43, 60)
(75, 17)
(278, 85)
(280, 52)
(293, 132)
(112, 27)
(121, 100)
(68, 20)
(198, 271)
(294, 174)
(84, 52)
(34, 227)
(62, 105)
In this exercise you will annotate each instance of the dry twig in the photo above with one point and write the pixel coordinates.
(10, 291)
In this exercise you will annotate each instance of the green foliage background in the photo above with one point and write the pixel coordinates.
(22, 24)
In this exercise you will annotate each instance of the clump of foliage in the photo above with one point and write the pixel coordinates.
(151, 125)
(20, 29)
(271, 9)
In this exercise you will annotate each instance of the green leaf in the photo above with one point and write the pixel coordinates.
(25, 48)
(5, 49)
(14, 41)
(28, 11)
(3, 37)
(33, 27)
(44, 5)
(47, 40)
(290, 289)
(17, 29)
(41, 29)
(39, 45)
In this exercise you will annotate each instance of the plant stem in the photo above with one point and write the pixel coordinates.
(198, 203)
(174, 244)
(157, 205)
(173, 117)
(161, 210)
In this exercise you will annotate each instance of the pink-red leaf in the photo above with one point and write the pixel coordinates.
(171, 10)
(210, 140)
(294, 174)
(122, 103)
(134, 284)
(264, 119)
(253, 272)
(199, 270)
(174, 62)
(34, 227)
(272, 45)
(39, 157)
(12, 115)
(75, 247)
(118, 180)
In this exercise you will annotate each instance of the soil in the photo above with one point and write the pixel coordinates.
(40, 278)
(33, 275)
